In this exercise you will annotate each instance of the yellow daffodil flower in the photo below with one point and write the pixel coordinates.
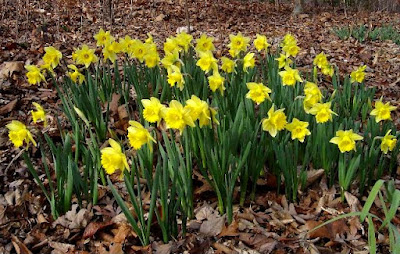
(248, 61)
(228, 65)
(290, 76)
(184, 40)
(171, 45)
(322, 112)
(18, 134)
(298, 129)
(138, 136)
(289, 45)
(321, 60)
(346, 140)
(195, 107)
(149, 38)
(103, 38)
(171, 59)
(328, 70)
(111, 50)
(112, 158)
(388, 142)
(283, 61)
(151, 59)
(238, 43)
(207, 62)
(151, 46)
(75, 76)
(34, 75)
(175, 77)
(152, 110)
(261, 42)
(382, 111)
(84, 56)
(204, 44)
(312, 96)
(52, 56)
(176, 117)
(291, 50)
(275, 122)
(216, 81)
(39, 114)
(288, 40)
(47, 67)
(126, 44)
(139, 50)
(258, 92)
(198, 109)
(358, 75)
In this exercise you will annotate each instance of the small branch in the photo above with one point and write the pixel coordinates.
(10, 221)
(27, 11)
(187, 16)
(103, 12)
(15, 158)
(111, 9)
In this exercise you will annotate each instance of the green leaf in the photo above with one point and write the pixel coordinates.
(69, 186)
(125, 210)
(394, 237)
(335, 219)
(370, 199)
(35, 174)
(371, 236)
(82, 116)
(393, 209)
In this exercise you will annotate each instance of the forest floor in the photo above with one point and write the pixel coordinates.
(271, 224)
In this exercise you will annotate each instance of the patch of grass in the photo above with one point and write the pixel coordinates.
(343, 33)
(362, 33)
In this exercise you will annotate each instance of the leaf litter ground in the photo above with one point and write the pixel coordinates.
(270, 224)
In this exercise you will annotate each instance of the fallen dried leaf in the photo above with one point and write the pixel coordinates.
(74, 219)
(61, 248)
(113, 106)
(353, 202)
(41, 219)
(313, 175)
(93, 227)
(143, 249)
(268, 247)
(160, 17)
(163, 248)
(231, 230)
(8, 68)
(116, 248)
(256, 240)
(122, 233)
(222, 248)
(204, 213)
(213, 225)
(8, 107)
(328, 231)
(19, 246)
(122, 113)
